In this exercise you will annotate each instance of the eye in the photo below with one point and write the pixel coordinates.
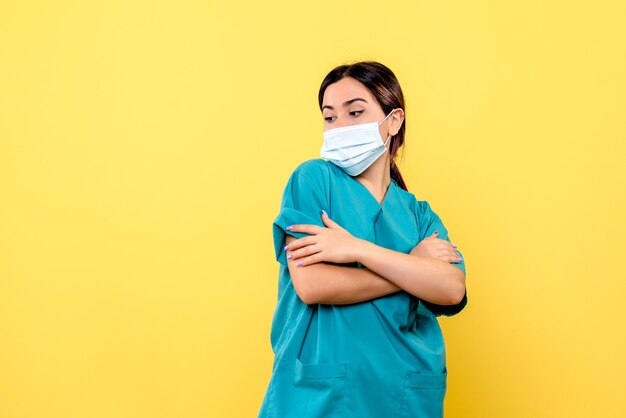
(329, 118)
(356, 112)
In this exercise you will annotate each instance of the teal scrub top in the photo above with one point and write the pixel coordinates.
(381, 358)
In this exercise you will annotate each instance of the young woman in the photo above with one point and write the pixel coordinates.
(365, 269)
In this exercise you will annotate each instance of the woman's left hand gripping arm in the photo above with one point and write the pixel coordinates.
(427, 278)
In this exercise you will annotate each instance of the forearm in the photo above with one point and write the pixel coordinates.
(339, 285)
(429, 279)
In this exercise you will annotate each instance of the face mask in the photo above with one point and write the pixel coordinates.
(354, 148)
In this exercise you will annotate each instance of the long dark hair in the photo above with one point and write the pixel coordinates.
(385, 88)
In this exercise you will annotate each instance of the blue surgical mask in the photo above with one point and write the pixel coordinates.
(354, 148)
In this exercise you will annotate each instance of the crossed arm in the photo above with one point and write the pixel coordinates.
(386, 271)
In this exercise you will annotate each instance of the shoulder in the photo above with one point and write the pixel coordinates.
(314, 166)
(311, 177)
(417, 206)
(315, 169)
(421, 208)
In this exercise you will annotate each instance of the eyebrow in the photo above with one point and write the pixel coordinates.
(345, 104)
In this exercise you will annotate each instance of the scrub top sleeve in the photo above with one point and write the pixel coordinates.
(302, 202)
(429, 223)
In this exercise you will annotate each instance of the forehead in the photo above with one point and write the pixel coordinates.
(346, 89)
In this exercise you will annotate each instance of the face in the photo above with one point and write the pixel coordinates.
(348, 102)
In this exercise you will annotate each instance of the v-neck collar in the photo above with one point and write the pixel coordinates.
(367, 209)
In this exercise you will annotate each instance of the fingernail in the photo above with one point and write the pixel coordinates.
(436, 232)
(286, 247)
(289, 228)
(324, 212)
(290, 255)
(460, 258)
(299, 263)
(453, 245)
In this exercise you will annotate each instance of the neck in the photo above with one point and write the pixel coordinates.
(377, 176)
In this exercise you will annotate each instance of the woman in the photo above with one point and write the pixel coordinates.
(365, 268)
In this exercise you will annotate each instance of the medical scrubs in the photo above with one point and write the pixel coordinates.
(380, 358)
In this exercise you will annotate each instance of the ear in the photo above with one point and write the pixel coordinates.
(397, 118)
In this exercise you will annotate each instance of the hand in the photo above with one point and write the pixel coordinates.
(437, 248)
(332, 244)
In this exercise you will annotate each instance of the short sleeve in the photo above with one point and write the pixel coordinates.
(429, 222)
(303, 199)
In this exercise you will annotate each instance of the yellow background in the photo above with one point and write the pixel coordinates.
(144, 147)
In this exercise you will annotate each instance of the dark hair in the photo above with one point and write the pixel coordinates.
(385, 88)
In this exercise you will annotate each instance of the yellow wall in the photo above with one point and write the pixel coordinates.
(144, 147)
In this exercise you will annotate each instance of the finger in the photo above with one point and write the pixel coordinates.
(449, 245)
(433, 235)
(447, 240)
(306, 228)
(329, 222)
(445, 243)
(440, 245)
(444, 257)
(444, 253)
(307, 261)
(301, 242)
(455, 257)
(303, 252)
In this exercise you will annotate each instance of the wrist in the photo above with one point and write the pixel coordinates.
(361, 247)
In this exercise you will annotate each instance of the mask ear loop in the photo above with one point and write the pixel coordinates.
(388, 136)
(379, 123)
